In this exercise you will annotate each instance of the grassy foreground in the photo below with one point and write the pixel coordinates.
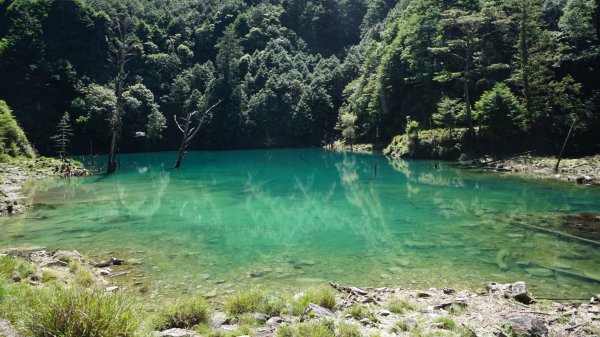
(61, 294)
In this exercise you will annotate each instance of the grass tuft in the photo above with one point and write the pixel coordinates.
(448, 322)
(254, 301)
(400, 306)
(322, 297)
(75, 312)
(310, 329)
(185, 314)
(359, 312)
(348, 330)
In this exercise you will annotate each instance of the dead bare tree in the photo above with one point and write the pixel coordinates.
(189, 131)
(124, 51)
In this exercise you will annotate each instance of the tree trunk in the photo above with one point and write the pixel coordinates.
(563, 147)
(467, 82)
(184, 140)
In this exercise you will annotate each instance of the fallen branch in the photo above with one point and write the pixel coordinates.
(557, 233)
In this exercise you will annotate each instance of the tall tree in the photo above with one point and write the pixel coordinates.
(123, 49)
(464, 39)
(63, 136)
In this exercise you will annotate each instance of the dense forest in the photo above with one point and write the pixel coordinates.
(290, 73)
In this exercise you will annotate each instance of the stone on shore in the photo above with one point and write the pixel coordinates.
(318, 311)
(176, 332)
(6, 330)
(525, 325)
(517, 291)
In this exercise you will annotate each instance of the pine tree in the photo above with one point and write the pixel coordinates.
(63, 136)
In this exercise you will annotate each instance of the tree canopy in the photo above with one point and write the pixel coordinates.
(299, 73)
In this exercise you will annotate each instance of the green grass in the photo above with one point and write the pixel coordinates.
(400, 306)
(348, 330)
(359, 312)
(457, 310)
(322, 297)
(310, 329)
(448, 322)
(185, 314)
(75, 312)
(254, 301)
(13, 267)
(8, 264)
(401, 326)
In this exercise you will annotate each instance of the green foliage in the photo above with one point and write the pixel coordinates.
(63, 136)
(434, 143)
(449, 114)
(254, 301)
(294, 73)
(185, 314)
(13, 141)
(499, 111)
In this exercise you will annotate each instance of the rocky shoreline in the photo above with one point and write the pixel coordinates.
(499, 310)
(17, 172)
(584, 171)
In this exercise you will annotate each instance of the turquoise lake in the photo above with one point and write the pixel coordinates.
(298, 218)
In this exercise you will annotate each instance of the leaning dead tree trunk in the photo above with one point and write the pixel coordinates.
(189, 131)
(124, 50)
(563, 147)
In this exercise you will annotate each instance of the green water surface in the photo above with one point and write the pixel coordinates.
(292, 218)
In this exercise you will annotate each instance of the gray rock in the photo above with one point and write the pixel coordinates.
(263, 332)
(525, 325)
(317, 310)
(227, 328)
(423, 294)
(365, 321)
(259, 316)
(517, 291)
(178, 333)
(274, 321)
(218, 319)
(384, 313)
(6, 330)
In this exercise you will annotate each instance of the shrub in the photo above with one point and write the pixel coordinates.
(76, 312)
(254, 301)
(185, 314)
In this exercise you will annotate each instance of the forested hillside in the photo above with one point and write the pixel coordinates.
(301, 73)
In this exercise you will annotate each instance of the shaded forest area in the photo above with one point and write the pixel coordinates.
(519, 73)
